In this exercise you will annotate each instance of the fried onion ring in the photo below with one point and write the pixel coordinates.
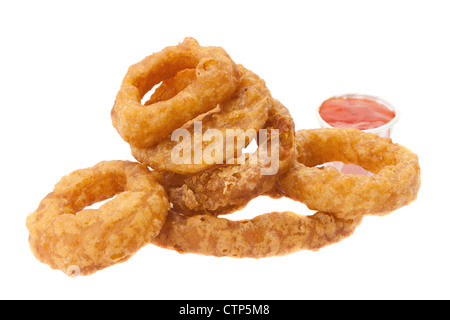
(246, 110)
(395, 181)
(223, 189)
(216, 80)
(270, 234)
(72, 239)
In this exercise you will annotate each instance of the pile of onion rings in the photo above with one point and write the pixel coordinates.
(197, 91)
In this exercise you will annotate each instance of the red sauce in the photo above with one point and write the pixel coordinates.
(356, 113)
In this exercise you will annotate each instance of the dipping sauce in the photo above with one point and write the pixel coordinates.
(345, 112)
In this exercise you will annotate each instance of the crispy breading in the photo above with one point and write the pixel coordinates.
(225, 188)
(72, 239)
(395, 181)
(217, 77)
(270, 234)
(246, 111)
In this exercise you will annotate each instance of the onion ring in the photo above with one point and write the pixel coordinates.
(270, 234)
(143, 126)
(71, 239)
(223, 189)
(395, 182)
(246, 110)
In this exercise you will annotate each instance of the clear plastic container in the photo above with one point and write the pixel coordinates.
(383, 131)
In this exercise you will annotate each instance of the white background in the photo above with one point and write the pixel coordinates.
(62, 65)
